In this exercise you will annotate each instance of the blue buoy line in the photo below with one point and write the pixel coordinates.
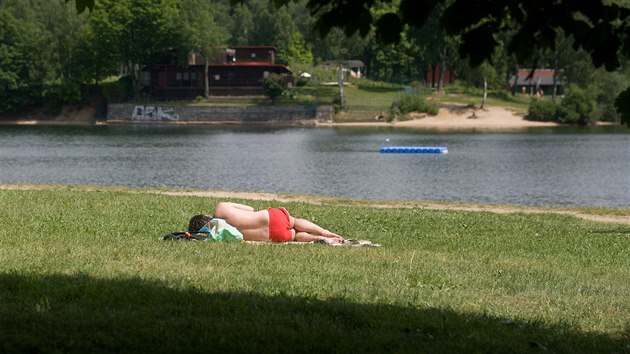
(414, 150)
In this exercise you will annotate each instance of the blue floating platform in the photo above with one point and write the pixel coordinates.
(414, 150)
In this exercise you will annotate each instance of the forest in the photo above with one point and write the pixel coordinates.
(50, 55)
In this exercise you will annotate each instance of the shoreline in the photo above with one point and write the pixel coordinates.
(450, 117)
(598, 214)
(454, 116)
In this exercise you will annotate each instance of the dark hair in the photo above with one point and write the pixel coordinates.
(197, 222)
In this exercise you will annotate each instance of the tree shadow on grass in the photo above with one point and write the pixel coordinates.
(79, 313)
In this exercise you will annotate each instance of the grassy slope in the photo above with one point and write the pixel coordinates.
(86, 271)
(366, 98)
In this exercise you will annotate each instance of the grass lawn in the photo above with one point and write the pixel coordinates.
(85, 271)
(364, 101)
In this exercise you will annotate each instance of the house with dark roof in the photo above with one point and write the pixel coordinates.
(540, 81)
(237, 71)
(355, 68)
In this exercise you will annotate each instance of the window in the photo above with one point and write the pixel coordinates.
(186, 76)
(253, 55)
(217, 77)
(178, 76)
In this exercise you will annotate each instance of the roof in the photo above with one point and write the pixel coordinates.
(348, 63)
(251, 65)
(237, 64)
(253, 47)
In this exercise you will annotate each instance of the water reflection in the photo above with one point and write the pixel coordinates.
(537, 166)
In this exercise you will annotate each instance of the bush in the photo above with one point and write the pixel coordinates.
(118, 91)
(273, 85)
(367, 84)
(414, 103)
(301, 81)
(576, 107)
(542, 110)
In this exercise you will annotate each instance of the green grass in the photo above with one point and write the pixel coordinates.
(365, 98)
(465, 94)
(85, 271)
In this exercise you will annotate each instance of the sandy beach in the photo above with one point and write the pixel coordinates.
(461, 117)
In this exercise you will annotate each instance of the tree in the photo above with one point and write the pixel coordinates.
(338, 47)
(134, 33)
(599, 27)
(66, 35)
(299, 51)
(23, 57)
(201, 33)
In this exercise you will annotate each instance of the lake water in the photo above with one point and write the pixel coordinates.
(543, 166)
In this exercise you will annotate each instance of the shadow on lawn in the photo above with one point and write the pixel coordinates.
(85, 314)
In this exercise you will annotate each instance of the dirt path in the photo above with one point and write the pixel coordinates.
(319, 200)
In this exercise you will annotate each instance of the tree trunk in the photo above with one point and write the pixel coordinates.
(485, 92)
(206, 79)
(442, 70)
(555, 80)
(515, 86)
(136, 81)
(340, 82)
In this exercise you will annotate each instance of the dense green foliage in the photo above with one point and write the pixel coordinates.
(575, 108)
(544, 110)
(414, 103)
(86, 272)
(274, 86)
(396, 40)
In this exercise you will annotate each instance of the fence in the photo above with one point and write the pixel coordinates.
(374, 106)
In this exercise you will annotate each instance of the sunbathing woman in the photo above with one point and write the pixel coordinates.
(272, 224)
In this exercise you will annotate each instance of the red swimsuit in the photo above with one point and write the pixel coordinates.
(279, 225)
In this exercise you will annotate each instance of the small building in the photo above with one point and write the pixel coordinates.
(355, 68)
(434, 73)
(237, 71)
(541, 82)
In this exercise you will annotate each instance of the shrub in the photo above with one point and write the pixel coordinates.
(542, 110)
(118, 91)
(576, 107)
(301, 81)
(414, 103)
(367, 84)
(273, 85)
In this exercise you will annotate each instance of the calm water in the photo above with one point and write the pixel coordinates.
(534, 167)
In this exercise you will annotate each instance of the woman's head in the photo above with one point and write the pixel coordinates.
(197, 222)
